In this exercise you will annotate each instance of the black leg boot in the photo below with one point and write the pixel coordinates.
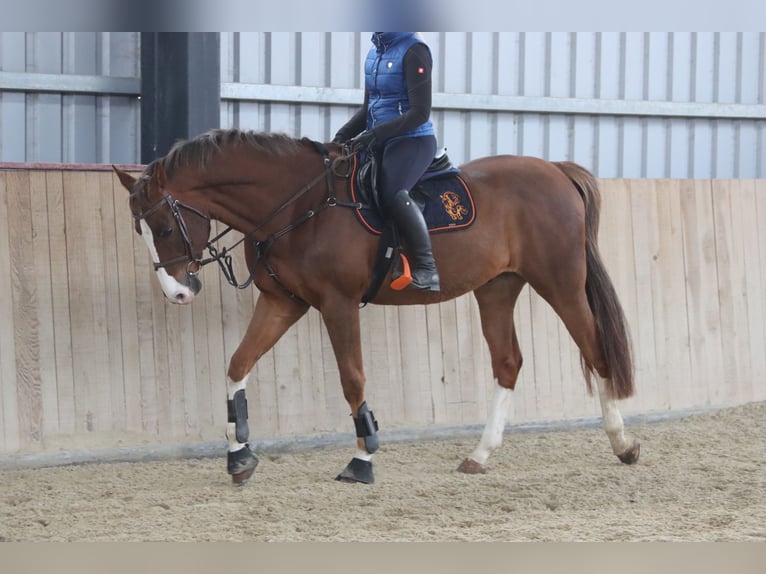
(413, 228)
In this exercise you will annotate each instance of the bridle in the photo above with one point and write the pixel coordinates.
(195, 261)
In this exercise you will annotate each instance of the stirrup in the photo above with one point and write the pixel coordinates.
(404, 279)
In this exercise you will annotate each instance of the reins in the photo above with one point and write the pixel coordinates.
(223, 257)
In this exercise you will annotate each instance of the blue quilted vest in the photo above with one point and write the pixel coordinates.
(385, 81)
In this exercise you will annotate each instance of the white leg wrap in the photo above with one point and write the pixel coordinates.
(613, 425)
(492, 437)
(363, 455)
(231, 428)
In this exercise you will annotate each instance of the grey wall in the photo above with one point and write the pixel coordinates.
(680, 104)
(69, 97)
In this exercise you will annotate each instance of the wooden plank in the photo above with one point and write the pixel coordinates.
(759, 378)
(392, 375)
(702, 303)
(288, 384)
(759, 259)
(436, 380)
(187, 391)
(674, 363)
(662, 338)
(733, 324)
(114, 378)
(176, 318)
(44, 288)
(413, 333)
(380, 391)
(9, 428)
(645, 241)
(197, 338)
(322, 410)
(25, 301)
(450, 362)
(127, 244)
(62, 330)
(744, 220)
(87, 302)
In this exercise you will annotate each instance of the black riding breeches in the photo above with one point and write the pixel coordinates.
(402, 163)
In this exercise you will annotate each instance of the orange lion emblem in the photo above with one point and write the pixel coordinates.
(452, 205)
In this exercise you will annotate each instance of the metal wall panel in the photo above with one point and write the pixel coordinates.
(75, 123)
(624, 104)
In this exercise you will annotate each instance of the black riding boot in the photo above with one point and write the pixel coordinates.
(413, 228)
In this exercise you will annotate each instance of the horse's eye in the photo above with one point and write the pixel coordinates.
(166, 232)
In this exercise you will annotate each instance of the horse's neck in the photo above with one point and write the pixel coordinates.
(243, 193)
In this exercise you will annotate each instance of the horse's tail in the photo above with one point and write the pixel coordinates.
(610, 319)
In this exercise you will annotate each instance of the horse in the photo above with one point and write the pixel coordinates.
(536, 222)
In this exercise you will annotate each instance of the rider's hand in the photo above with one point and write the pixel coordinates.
(365, 141)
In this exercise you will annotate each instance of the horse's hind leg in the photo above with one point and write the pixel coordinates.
(627, 448)
(273, 315)
(496, 301)
(578, 318)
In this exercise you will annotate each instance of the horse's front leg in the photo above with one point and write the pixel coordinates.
(273, 315)
(341, 318)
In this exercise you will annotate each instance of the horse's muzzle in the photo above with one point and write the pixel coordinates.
(193, 282)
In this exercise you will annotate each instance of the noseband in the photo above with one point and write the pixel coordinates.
(194, 263)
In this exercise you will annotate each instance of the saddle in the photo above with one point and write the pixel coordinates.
(442, 195)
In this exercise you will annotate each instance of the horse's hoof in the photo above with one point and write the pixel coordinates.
(241, 465)
(357, 470)
(470, 466)
(630, 456)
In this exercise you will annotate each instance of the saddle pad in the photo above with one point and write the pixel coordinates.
(445, 200)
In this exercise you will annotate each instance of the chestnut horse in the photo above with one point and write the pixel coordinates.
(536, 222)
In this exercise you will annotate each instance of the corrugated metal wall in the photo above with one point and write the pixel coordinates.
(654, 105)
(77, 106)
(632, 105)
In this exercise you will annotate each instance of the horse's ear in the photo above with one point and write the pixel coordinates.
(126, 179)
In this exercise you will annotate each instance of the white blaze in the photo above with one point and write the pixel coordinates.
(173, 289)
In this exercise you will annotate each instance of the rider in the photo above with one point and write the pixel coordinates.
(394, 123)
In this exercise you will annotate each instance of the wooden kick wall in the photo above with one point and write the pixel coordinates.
(91, 354)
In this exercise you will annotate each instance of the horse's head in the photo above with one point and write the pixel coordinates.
(175, 233)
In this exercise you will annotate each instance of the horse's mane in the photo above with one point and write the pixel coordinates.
(198, 152)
